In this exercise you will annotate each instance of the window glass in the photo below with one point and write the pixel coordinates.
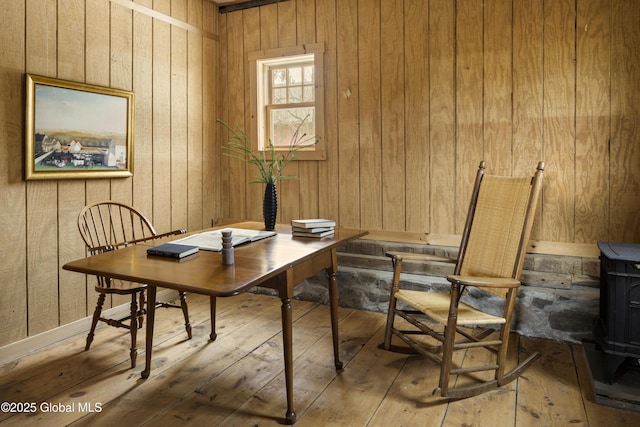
(288, 93)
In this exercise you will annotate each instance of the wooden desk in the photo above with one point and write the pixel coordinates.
(279, 262)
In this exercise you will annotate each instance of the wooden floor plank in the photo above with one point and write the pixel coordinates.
(502, 401)
(549, 393)
(168, 386)
(414, 396)
(120, 381)
(217, 399)
(355, 394)
(411, 398)
(238, 379)
(36, 364)
(316, 363)
(44, 374)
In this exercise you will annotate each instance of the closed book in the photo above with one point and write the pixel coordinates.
(317, 235)
(172, 250)
(312, 230)
(313, 223)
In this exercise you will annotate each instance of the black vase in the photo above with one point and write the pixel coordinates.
(270, 207)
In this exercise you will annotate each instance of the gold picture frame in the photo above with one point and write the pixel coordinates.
(77, 130)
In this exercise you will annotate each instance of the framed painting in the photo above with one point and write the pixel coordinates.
(77, 130)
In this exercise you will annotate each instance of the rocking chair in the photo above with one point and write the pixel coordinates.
(490, 259)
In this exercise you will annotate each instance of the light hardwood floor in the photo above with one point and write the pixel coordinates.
(238, 379)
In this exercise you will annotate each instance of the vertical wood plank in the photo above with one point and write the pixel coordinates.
(13, 269)
(625, 138)
(163, 6)
(195, 118)
(179, 125)
(71, 52)
(121, 47)
(179, 10)
(235, 200)
(416, 142)
(213, 93)
(369, 111)
(71, 194)
(143, 131)
(161, 125)
(42, 196)
(179, 118)
(527, 83)
(498, 84)
(328, 196)
(287, 23)
(252, 34)
(288, 190)
(121, 77)
(97, 60)
(269, 26)
(305, 22)
(179, 140)
(348, 90)
(442, 179)
(307, 170)
(223, 113)
(195, 12)
(392, 89)
(559, 113)
(469, 85)
(121, 55)
(592, 120)
(41, 261)
(41, 40)
(528, 56)
(97, 14)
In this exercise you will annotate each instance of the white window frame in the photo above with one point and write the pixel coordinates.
(259, 87)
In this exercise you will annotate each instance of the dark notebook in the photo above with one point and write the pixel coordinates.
(172, 250)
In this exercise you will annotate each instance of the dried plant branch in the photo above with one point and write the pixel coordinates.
(270, 162)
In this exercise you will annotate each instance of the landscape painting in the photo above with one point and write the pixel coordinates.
(77, 130)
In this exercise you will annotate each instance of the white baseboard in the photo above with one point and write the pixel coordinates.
(18, 349)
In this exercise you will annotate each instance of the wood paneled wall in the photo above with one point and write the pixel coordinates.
(163, 50)
(419, 91)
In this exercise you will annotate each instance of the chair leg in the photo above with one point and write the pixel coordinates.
(449, 341)
(391, 313)
(212, 316)
(185, 311)
(94, 322)
(133, 329)
(142, 308)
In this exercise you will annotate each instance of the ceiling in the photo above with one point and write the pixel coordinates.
(233, 5)
(226, 1)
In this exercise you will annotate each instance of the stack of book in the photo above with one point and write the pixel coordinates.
(313, 227)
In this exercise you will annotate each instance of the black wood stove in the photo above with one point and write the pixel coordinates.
(617, 329)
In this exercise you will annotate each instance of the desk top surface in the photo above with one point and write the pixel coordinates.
(204, 272)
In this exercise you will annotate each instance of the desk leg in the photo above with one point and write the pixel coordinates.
(151, 315)
(287, 338)
(333, 306)
(212, 307)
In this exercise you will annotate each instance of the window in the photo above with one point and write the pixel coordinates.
(286, 95)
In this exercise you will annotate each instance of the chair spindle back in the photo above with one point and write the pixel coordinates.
(110, 225)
